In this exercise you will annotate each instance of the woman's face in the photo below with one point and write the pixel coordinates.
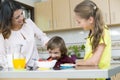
(55, 53)
(85, 24)
(17, 19)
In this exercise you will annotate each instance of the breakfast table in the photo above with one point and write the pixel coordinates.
(79, 72)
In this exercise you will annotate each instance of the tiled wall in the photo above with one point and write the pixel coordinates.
(73, 36)
(78, 36)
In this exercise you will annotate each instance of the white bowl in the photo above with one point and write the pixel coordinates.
(46, 64)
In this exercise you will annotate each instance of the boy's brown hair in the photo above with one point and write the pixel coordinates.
(57, 42)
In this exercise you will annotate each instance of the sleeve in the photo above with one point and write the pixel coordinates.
(106, 38)
(70, 60)
(38, 33)
(102, 40)
(3, 58)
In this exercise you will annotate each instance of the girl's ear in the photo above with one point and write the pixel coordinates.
(91, 20)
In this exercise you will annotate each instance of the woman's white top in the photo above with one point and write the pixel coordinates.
(26, 38)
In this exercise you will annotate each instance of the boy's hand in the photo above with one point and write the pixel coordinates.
(40, 60)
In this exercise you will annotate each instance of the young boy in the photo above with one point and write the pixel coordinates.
(58, 51)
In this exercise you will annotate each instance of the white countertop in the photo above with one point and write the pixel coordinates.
(81, 72)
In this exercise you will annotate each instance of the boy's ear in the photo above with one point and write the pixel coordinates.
(91, 20)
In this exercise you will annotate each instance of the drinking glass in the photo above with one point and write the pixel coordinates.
(19, 60)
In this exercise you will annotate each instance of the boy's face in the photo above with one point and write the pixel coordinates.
(55, 53)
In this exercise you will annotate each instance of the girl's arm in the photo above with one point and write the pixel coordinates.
(38, 33)
(94, 60)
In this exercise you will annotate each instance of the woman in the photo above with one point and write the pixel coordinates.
(16, 30)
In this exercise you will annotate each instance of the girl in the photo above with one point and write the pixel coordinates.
(98, 45)
(57, 50)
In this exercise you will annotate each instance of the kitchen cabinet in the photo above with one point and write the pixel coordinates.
(43, 15)
(52, 15)
(73, 4)
(116, 77)
(104, 7)
(27, 10)
(61, 14)
(110, 10)
(102, 4)
(115, 11)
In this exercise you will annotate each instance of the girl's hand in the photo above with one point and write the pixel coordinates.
(94, 60)
(79, 62)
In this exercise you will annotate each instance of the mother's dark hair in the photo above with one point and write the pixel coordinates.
(7, 9)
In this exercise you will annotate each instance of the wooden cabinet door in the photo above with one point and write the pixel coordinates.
(104, 7)
(43, 15)
(61, 14)
(73, 4)
(115, 11)
(102, 4)
(113, 78)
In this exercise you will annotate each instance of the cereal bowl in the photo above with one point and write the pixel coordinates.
(46, 64)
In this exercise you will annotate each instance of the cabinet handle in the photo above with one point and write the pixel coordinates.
(106, 17)
(49, 24)
(55, 23)
(74, 24)
(113, 17)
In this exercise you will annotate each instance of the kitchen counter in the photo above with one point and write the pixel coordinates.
(79, 72)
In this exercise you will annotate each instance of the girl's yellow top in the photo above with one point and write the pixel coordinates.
(106, 56)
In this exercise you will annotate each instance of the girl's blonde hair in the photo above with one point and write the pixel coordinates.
(87, 9)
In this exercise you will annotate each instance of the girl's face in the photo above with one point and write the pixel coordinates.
(85, 24)
(55, 53)
(17, 19)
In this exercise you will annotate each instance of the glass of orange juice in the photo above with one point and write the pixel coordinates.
(19, 63)
(19, 60)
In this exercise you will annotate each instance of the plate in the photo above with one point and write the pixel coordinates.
(66, 66)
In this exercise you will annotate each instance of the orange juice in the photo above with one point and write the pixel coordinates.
(19, 63)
